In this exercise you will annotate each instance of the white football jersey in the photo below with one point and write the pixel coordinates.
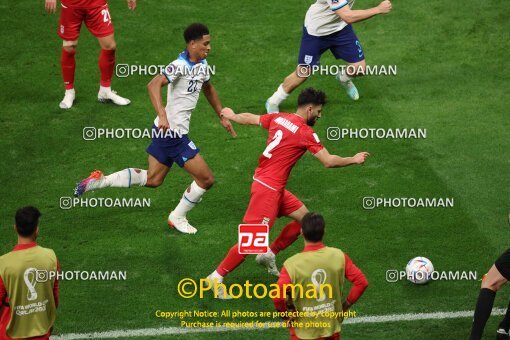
(185, 83)
(321, 18)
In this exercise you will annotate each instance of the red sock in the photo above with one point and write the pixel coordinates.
(68, 65)
(230, 262)
(106, 65)
(287, 236)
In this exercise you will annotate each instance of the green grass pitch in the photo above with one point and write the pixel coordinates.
(452, 80)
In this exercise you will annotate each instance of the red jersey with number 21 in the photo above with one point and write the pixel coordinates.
(289, 138)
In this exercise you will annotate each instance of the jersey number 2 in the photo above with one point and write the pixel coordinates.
(270, 147)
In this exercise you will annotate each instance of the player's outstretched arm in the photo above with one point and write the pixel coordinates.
(213, 99)
(351, 16)
(50, 6)
(154, 88)
(334, 161)
(131, 4)
(240, 118)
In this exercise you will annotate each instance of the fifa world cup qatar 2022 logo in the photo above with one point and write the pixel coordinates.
(30, 280)
(318, 278)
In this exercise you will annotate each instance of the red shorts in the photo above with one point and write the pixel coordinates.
(97, 20)
(267, 204)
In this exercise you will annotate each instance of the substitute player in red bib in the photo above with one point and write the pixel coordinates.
(290, 136)
(96, 16)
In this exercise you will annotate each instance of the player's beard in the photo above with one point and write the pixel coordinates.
(311, 121)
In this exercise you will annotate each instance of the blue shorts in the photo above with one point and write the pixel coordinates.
(169, 150)
(343, 44)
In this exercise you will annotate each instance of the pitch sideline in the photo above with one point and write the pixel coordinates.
(153, 332)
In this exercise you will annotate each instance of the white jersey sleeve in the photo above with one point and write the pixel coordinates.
(171, 71)
(337, 4)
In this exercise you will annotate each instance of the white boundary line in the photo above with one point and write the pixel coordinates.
(154, 332)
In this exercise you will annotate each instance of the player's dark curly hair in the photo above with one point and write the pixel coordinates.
(312, 226)
(27, 219)
(311, 96)
(195, 31)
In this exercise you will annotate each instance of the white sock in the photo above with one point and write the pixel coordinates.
(189, 199)
(125, 179)
(217, 276)
(343, 78)
(71, 91)
(279, 96)
(104, 89)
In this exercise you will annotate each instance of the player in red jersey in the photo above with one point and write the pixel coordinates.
(96, 16)
(290, 136)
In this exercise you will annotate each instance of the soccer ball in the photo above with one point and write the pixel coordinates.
(419, 270)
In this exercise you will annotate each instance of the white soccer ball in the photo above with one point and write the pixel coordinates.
(419, 270)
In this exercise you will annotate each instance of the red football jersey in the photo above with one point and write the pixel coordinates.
(289, 138)
(83, 3)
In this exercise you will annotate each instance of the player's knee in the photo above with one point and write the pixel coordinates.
(70, 49)
(108, 43)
(487, 285)
(109, 46)
(70, 45)
(493, 285)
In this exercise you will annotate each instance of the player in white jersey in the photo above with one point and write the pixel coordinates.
(185, 77)
(328, 27)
